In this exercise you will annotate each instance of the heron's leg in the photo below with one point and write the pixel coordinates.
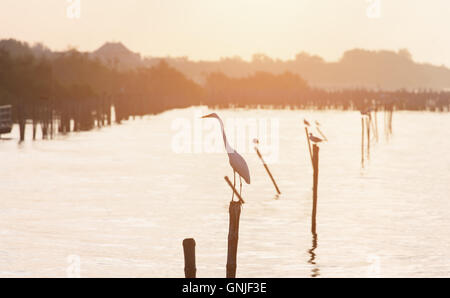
(240, 180)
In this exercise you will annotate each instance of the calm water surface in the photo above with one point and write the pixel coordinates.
(123, 201)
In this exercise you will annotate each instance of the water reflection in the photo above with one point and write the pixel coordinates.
(312, 260)
(315, 271)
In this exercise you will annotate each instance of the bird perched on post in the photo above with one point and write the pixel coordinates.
(237, 162)
(366, 111)
(306, 122)
(315, 139)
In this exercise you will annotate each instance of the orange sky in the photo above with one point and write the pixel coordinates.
(210, 29)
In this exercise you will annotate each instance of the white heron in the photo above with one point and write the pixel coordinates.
(237, 162)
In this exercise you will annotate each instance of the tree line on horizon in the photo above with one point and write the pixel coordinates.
(72, 85)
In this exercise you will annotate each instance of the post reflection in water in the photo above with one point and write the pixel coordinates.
(315, 271)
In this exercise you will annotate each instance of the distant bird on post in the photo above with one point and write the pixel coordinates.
(237, 162)
(320, 132)
(366, 111)
(306, 122)
(315, 139)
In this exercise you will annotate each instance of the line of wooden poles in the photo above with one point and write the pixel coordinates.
(65, 116)
(369, 121)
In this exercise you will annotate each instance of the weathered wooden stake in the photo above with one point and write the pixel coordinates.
(315, 186)
(234, 190)
(22, 121)
(34, 129)
(362, 141)
(109, 113)
(391, 112)
(368, 136)
(34, 116)
(376, 125)
(190, 270)
(309, 146)
(268, 171)
(233, 236)
(51, 120)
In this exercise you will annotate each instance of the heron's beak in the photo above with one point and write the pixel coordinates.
(207, 116)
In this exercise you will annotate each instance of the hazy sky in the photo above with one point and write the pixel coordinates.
(210, 29)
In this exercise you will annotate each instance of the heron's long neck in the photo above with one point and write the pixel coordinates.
(225, 141)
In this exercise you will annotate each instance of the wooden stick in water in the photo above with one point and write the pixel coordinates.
(315, 186)
(391, 112)
(233, 236)
(376, 125)
(234, 190)
(362, 141)
(190, 269)
(368, 136)
(22, 120)
(268, 171)
(372, 125)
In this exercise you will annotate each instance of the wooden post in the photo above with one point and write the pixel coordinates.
(376, 125)
(391, 112)
(233, 236)
(190, 269)
(34, 116)
(34, 129)
(309, 146)
(315, 186)
(22, 130)
(51, 119)
(368, 136)
(268, 171)
(234, 190)
(108, 112)
(362, 141)
(22, 120)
